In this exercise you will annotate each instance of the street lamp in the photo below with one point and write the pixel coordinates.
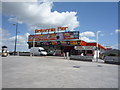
(97, 44)
(15, 37)
(33, 42)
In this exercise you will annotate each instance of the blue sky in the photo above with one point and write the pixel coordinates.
(92, 17)
(95, 16)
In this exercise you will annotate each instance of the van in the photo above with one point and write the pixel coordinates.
(37, 51)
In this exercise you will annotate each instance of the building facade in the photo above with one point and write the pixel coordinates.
(58, 43)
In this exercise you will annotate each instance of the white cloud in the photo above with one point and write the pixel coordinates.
(87, 34)
(87, 39)
(39, 15)
(15, 20)
(9, 41)
(117, 30)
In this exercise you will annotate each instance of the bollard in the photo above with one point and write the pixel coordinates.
(67, 55)
(64, 55)
(31, 54)
(18, 53)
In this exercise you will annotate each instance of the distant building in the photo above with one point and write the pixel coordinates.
(108, 47)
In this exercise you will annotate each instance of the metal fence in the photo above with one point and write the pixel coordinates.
(20, 53)
(83, 58)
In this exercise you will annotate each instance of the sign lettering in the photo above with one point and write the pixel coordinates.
(50, 30)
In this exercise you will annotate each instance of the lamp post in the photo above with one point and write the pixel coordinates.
(97, 44)
(33, 42)
(15, 37)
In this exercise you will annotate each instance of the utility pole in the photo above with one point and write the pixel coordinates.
(15, 38)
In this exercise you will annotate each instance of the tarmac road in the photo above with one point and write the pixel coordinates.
(56, 72)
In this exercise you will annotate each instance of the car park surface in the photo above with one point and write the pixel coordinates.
(56, 72)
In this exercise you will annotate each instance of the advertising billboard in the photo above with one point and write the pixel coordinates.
(73, 43)
(55, 36)
(42, 37)
(63, 42)
(59, 36)
(51, 37)
(54, 43)
(71, 35)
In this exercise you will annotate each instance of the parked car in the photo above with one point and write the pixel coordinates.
(112, 59)
(51, 52)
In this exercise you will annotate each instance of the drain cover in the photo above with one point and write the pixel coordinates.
(99, 65)
(76, 66)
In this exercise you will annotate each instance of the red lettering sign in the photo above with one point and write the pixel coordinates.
(62, 28)
(50, 30)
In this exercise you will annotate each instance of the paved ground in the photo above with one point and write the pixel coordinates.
(56, 72)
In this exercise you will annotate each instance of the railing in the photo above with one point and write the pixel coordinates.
(82, 58)
(20, 53)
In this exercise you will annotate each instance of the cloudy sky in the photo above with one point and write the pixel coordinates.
(86, 17)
